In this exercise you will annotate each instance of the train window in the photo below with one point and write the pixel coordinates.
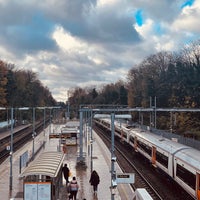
(162, 159)
(124, 135)
(185, 175)
(132, 139)
(144, 147)
(118, 131)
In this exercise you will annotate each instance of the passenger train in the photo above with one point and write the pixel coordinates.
(180, 162)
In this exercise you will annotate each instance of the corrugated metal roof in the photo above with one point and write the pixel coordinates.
(48, 164)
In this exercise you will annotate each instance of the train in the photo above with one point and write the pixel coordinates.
(180, 162)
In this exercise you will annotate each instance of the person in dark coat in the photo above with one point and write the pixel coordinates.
(94, 180)
(65, 170)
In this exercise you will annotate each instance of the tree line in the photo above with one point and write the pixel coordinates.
(22, 88)
(172, 78)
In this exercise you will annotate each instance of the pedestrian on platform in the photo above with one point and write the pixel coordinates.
(73, 185)
(65, 170)
(94, 180)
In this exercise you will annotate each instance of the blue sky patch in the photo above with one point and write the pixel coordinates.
(187, 3)
(139, 18)
(158, 29)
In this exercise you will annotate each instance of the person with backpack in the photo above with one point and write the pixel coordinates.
(73, 186)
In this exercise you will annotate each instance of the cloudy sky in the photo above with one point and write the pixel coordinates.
(78, 43)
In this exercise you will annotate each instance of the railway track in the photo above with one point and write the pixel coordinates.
(128, 167)
(19, 139)
(158, 185)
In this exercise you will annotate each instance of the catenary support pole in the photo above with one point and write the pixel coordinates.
(113, 173)
(11, 150)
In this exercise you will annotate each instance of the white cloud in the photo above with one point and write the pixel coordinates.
(188, 20)
(81, 43)
(146, 29)
(103, 3)
(66, 41)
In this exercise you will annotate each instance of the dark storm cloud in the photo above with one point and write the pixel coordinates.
(28, 27)
(104, 27)
(25, 30)
(107, 31)
(32, 36)
(84, 19)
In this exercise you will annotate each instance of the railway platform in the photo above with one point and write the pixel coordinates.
(6, 132)
(98, 159)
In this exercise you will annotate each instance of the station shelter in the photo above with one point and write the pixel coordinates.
(69, 135)
(42, 179)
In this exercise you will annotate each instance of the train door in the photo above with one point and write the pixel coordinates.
(153, 158)
(198, 186)
(135, 143)
(122, 135)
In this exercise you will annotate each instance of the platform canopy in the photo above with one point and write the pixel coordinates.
(48, 164)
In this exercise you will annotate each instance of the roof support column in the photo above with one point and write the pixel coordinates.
(80, 158)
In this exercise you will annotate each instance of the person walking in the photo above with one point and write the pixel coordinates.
(94, 180)
(73, 185)
(65, 170)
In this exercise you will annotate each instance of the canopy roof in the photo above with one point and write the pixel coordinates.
(48, 164)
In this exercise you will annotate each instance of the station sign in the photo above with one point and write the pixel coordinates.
(125, 178)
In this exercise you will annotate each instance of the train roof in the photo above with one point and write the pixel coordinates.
(180, 151)
(190, 156)
(159, 141)
(185, 153)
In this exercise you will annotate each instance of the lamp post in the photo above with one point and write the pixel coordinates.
(11, 150)
(44, 121)
(81, 137)
(33, 134)
(91, 142)
(68, 114)
(50, 123)
(113, 158)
